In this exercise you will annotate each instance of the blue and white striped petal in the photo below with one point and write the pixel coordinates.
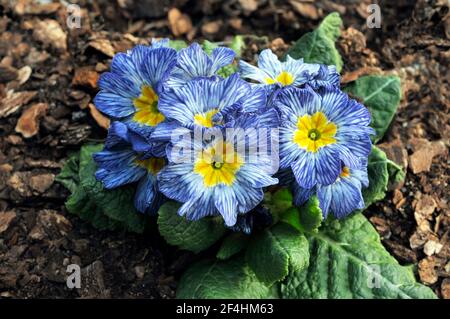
(269, 62)
(341, 198)
(194, 63)
(113, 105)
(156, 66)
(147, 199)
(226, 203)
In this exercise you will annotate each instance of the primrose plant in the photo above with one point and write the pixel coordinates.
(267, 166)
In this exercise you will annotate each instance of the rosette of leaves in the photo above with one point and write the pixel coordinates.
(299, 255)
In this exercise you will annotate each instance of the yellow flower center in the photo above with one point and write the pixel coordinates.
(218, 165)
(146, 105)
(284, 78)
(205, 119)
(314, 132)
(345, 172)
(153, 164)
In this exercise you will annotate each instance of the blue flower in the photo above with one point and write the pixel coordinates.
(207, 104)
(326, 75)
(341, 197)
(219, 179)
(292, 72)
(194, 63)
(130, 92)
(319, 131)
(118, 165)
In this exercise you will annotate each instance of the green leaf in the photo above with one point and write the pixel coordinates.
(209, 46)
(318, 46)
(231, 245)
(306, 218)
(177, 44)
(381, 94)
(378, 177)
(80, 204)
(396, 173)
(190, 235)
(311, 215)
(348, 261)
(68, 176)
(292, 217)
(117, 204)
(231, 279)
(381, 171)
(104, 209)
(272, 253)
(279, 201)
(227, 70)
(237, 45)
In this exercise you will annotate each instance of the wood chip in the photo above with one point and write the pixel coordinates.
(5, 220)
(432, 247)
(41, 182)
(8, 73)
(28, 123)
(424, 152)
(23, 7)
(445, 288)
(396, 151)
(101, 120)
(306, 10)
(235, 23)
(14, 101)
(427, 271)
(211, 28)
(104, 46)
(423, 210)
(179, 22)
(49, 32)
(354, 75)
(24, 74)
(85, 76)
(248, 6)
(401, 252)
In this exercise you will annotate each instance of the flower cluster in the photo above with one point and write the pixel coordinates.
(182, 132)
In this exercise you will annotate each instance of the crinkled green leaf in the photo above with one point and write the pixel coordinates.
(311, 215)
(214, 279)
(306, 218)
(279, 201)
(272, 253)
(104, 209)
(396, 173)
(177, 44)
(68, 176)
(209, 46)
(318, 46)
(117, 204)
(381, 171)
(291, 216)
(190, 235)
(237, 45)
(227, 70)
(381, 94)
(348, 261)
(378, 177)
(231, 245)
